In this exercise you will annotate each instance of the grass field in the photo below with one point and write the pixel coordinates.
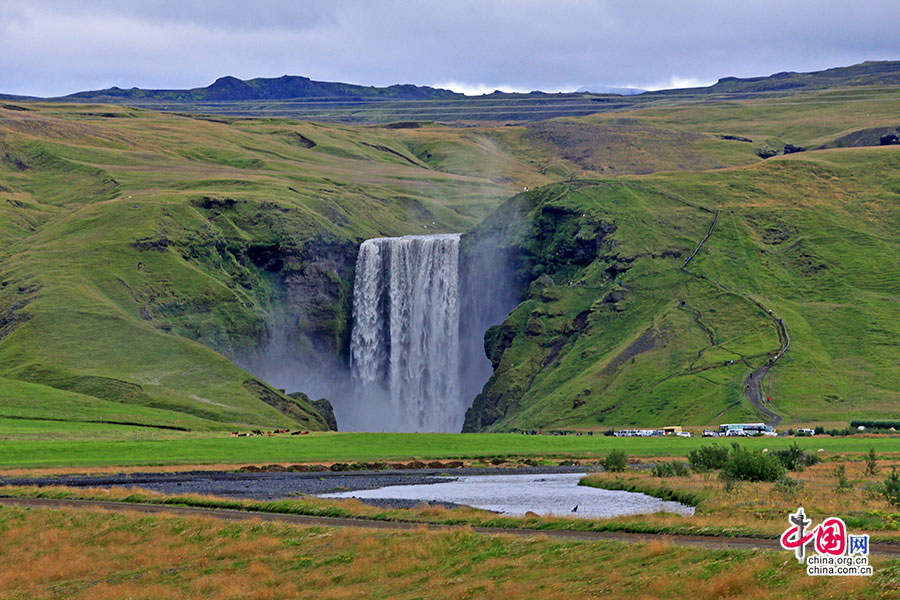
(98, 555)
(175, 448)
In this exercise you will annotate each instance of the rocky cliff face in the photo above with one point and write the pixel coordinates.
(290, 292)
(318, 294)
(305, 344)
(282, 305)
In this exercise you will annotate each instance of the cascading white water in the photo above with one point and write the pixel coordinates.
(404, 349)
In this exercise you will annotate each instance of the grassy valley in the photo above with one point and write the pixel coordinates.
(139, 250)
(146, 254)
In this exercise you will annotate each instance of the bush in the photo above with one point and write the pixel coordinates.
(670, 469)
(890, 489)
(615, 461)
(662, 470)
(875, 424)
(840, 432)
(751, 465)
(795, 459)
(708, 457)
(840, 473)
(788, 486)
(730, 483)
(871, 463)
(680, 469)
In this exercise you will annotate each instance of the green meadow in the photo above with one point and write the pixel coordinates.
(19, 449)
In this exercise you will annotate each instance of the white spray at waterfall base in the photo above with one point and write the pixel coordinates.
(404, 348)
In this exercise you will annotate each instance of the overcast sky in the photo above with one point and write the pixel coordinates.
(56, 47)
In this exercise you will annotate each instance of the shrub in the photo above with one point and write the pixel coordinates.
(788, 486)
(729, 482)
(875, 424)
(670, 469)
(890, 489)
(680, 469)
(751, 465)
(615, 461)
(662, 470)
(795, 459)
(871, 463)
(840, 473)
(708, 457)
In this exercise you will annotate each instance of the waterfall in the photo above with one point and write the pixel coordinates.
(404, 348)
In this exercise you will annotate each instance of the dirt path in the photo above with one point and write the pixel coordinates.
(703, 241)
(753, 392)
(753, 384)
(698, 541)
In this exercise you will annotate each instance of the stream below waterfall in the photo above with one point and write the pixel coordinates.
(542, 494)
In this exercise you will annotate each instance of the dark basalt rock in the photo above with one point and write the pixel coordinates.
(735, 138)
(322, 406)
(318, 290)
(890, 139)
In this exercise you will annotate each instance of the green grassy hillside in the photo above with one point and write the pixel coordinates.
(624, 335)
(144, 255)
(139, 250)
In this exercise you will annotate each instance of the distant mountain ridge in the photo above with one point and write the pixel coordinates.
(228, 88)
(231, 89)
(866, 73)
(298, 97)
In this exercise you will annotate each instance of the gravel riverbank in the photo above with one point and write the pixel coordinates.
(272, 486)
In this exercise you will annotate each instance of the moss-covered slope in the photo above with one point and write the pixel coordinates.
(613, 331)
(143, 254)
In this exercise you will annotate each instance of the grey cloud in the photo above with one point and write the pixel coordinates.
(55, 47)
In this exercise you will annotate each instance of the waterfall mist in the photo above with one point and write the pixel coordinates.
(491, 287)
(404, 349)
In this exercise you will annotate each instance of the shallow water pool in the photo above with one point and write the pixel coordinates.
(557, 494)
